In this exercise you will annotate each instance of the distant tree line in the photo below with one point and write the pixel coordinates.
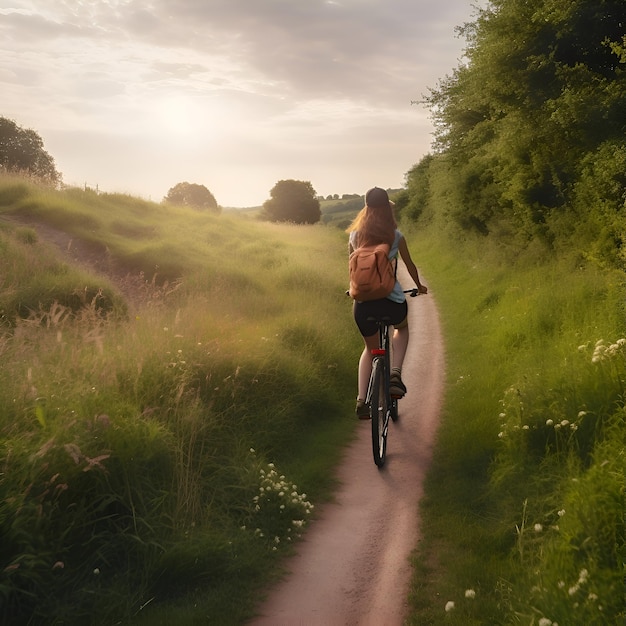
(22, 151)
(531, 130)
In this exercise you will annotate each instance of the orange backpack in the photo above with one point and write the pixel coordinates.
(372, 273)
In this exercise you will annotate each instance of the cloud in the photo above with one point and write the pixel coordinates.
(220, 87)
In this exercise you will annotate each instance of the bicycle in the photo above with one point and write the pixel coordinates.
(383, 406)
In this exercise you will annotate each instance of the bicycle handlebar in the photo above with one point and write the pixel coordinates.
(412, 292)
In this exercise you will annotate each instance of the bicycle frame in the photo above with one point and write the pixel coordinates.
(383, 405)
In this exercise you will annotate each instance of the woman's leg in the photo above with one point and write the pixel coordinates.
(365, 364)
(400, 344)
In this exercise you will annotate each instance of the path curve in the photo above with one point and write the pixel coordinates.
(352, 566)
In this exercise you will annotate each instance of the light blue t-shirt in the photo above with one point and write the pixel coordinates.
(397, 295)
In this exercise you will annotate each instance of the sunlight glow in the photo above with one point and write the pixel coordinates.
(176, 115)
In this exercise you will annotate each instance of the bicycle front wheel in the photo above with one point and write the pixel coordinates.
(379, 410)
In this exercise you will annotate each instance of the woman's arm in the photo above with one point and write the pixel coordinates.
(410, 266)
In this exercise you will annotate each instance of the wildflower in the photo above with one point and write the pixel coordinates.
(593, 597)
(58, 565)
(500, 435)
(544, 621)
(549, 422)
(470, 593)
(582, 413)
(96, 571)
(538, 528)
(449, 606)
(573, 590)
(564, 423)
(561, 513)
(525, 427)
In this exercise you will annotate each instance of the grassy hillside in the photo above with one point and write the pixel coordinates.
(167, 427)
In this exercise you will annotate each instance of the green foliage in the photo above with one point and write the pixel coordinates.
(192, 195)
(519, 124)
(22, 151)
(292, 201)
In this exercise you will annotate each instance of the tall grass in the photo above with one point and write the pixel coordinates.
(524, 506)
(159, 456)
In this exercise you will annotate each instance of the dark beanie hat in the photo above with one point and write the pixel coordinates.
(376, 198)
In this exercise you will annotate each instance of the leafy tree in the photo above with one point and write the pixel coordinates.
(21, 150)
(192, 195)
(544, 86)
(292, 201)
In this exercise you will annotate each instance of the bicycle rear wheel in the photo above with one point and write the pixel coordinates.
(379, 410)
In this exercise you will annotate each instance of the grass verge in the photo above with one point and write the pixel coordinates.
(159, 456)
(523, 512)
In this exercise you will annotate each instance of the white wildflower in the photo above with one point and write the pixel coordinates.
(449, 606)
(470, 593)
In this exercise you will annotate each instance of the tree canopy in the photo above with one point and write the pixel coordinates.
(539, 101)
(22, 151)
(292, 201)
(192, 195)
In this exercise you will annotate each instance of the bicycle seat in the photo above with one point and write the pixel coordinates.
(379, 320)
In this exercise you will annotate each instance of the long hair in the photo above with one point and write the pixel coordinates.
(374, 225)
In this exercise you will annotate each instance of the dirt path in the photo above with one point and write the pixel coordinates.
(352, 568)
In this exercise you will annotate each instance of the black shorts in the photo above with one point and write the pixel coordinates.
(366, 314)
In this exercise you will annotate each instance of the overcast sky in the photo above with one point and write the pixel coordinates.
(135, 96)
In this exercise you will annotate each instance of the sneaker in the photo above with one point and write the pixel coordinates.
(396, 386)
(362, 410)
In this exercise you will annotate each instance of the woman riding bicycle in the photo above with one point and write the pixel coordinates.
(376, 224)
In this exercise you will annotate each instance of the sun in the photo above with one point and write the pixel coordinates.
(176, 115)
